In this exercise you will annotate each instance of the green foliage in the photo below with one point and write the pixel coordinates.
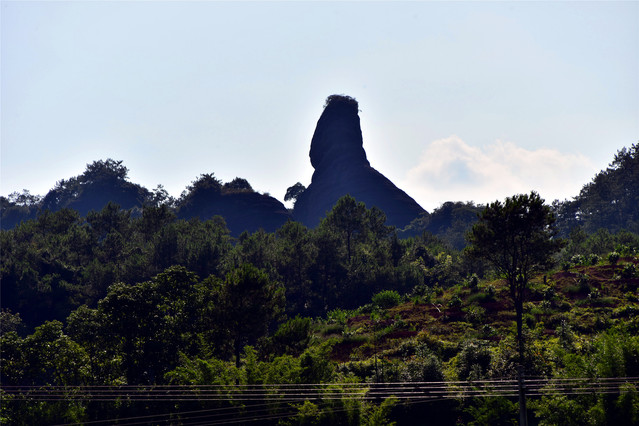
(247, 302)
(205, 187)
(293, 336)
(423, 366)
(494, 411)
(102, 182)
(386, 299)
(379, 415)
(609, 201)
(148, 300)
(473, 360)
(629, 271)
(517, 239)
(450, 222)
(613, 257)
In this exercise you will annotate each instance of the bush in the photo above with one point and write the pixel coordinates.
(577, 260)
(473, 282)
(629, 271)
(613, 257)
(473, 360)
(584, 283)
(339, 316)
(425, 367)
(386, 299)
(455, 302)
(475, 314)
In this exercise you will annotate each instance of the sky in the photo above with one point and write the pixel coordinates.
(460, 101)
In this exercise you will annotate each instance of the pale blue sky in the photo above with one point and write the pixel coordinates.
(460, 100)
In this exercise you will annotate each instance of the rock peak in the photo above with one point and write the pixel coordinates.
(341, 168)
(338, 135)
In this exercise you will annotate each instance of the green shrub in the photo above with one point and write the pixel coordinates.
(425, 367)
(473, 360)
(339, 316)
(475, 314)
(629, 271)
(577, 260)
(455, 302)
(613, 257)
(473, 282)
(583, 281)
(386, 299)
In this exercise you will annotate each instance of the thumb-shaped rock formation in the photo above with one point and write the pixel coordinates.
(341, 168)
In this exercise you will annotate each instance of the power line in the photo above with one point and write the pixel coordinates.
(273, 401)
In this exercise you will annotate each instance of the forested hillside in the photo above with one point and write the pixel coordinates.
(140, 315)
(154, 318)
(610, 200)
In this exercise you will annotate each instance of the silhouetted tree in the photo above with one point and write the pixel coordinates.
(517, 238)
(294, 191)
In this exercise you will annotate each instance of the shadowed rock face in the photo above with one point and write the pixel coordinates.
(341, 168)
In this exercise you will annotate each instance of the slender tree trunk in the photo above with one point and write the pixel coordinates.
(238, 343)
(523, 415)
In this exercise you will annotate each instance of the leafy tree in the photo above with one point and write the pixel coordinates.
(450, 222)
(347, 219)
(153, 219)
(47, 357)
(151, 322)
(294, 191)
(328, 270)
(294, 259)
(10, 322)
(293, 336)
(248, 302)
(517, 238)
(257, 249)
(237, 185)
(204, 187)
(25, 198)
(386, 299)
(160, 197)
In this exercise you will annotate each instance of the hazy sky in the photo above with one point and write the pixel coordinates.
(459, 100)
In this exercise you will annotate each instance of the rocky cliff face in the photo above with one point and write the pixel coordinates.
(341, 168)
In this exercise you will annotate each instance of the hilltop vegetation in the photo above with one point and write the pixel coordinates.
(105, 182)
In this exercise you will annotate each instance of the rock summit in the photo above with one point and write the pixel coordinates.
(341, 167)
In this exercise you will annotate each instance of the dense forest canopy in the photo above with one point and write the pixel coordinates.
(106, 313)
(610, 200)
